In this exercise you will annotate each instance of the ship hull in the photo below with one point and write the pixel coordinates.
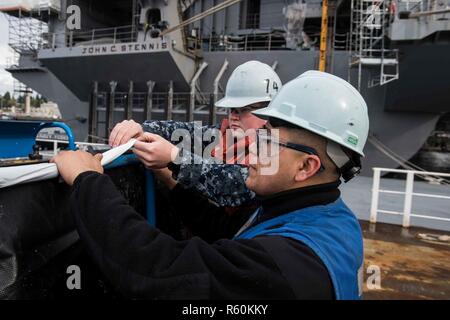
(399, 122)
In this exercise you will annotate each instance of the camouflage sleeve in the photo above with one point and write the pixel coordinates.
(166, 128)
(224, 184)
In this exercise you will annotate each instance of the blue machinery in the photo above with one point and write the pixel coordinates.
(18, 137)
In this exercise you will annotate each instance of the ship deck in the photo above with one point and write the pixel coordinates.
(414, 263)
(357, 194)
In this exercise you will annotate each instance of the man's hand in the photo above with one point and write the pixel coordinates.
(72, 163)
(124, 131)
(154, 151)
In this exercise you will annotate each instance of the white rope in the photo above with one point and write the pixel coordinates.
(10, 176)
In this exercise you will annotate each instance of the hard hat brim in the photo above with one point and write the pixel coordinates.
(268, 112)
(229, 102)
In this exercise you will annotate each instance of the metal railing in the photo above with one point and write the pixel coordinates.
(249, 42)
(424, 9)
(421, 5)
(409, 193)
(121, 34)
(57, 144)
(179, 101)
(104, 112)
(12, 61)
(341, 41)
(411, 5)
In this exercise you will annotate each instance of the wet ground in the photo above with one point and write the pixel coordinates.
(414, 263)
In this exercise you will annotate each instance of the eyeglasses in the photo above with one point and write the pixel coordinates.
(266, 139)
(246, 109)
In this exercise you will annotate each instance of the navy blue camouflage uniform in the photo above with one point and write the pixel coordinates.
(223, 184)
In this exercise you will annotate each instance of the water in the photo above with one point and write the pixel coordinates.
(437, 161)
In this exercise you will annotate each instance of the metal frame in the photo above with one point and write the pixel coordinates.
(217, 79)
(25, 29)
(368, 30)
(194, 93)
(169, 109)
(409, 193)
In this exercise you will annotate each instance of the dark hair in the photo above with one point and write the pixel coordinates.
(259, 105)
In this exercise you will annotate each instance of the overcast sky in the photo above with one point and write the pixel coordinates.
(6, 80)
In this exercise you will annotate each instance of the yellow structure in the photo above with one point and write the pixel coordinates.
(323, 37)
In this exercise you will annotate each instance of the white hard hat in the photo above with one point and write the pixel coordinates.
(250, 83)
(324, 104)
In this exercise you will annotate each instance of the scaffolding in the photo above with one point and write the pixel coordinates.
(12, 60)
(28, 23)
(20, 89)
(370, 20)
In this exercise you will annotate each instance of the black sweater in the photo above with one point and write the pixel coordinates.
(143, 262)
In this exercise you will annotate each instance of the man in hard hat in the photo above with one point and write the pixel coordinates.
(303, 242)
(251, 86)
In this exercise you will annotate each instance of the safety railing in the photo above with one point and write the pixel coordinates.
(11, 62)
(249, 42)
(408, 193)
(59, 143)
(424, 9)
(121, 34)
(412, 5)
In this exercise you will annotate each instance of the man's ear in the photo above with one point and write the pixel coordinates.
(307, 167)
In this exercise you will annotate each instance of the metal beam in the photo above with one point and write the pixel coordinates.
(275, 65)
(110, 109)
(149, 101)
(93, 112)
(323, 36)
(217, 79)
(129, 109)
(212, 110)
(170, 101)
(190, 115)
(427, 13)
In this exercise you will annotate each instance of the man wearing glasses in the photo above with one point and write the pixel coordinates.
(302, 242)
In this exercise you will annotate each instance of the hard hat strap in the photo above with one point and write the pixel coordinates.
(336, 154)
(349, 165)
